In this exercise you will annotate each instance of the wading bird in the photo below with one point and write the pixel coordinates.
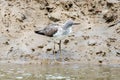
(57, 32)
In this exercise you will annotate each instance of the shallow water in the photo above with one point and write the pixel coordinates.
(58, 72)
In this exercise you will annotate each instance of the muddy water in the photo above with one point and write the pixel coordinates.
(58, 72)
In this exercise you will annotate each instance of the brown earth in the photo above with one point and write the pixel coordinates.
(94, 41)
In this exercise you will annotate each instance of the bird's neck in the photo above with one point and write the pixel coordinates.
(66, 26)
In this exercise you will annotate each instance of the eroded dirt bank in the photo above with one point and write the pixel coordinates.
(93, 41)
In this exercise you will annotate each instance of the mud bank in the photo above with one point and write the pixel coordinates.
(94, 41)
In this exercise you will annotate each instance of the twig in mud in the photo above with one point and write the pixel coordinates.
(114, 24)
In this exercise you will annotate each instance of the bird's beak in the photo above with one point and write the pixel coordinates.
(76, 23)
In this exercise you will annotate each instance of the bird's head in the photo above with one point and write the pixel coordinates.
(69, 23)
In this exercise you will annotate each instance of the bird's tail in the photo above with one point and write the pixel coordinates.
(40, 32)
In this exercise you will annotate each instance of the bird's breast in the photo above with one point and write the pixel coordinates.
(67, 31)
(61, 32)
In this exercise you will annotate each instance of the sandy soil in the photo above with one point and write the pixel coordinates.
(94, 41)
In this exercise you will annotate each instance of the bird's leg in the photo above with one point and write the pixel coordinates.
(54, 52)
(60, 50)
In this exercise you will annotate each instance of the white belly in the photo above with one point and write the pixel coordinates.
(61, 33)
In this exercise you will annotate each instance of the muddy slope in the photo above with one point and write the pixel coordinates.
(95, 40)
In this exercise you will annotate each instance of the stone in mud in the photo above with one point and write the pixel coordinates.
(49, 49)
(54, 16)
(109, 5)
(109, 17)
(40, 46)
(49, 8)
(20, 17)
(92, 43)
(66, 42)
(118, 54)
(66, 4)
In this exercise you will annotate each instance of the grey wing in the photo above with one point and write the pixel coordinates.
(50, 30)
